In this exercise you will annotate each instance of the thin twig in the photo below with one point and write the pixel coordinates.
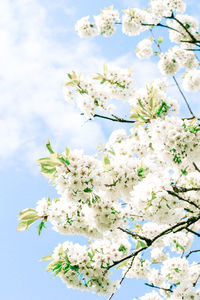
(185, 190)
(115, 119)
(182, 199)
(196, 168)
(193, 251)
(192, 231)
(179, 226)
(158, 287)
(160, 25)
(174, 78)
(135, 235)
(188, 106)
(123, 277)
(190, 118)
(184, 27)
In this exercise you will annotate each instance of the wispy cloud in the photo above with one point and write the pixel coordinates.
(33, 67)
(34, 60)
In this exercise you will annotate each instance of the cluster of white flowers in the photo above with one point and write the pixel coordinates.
(85, 268)
(106, 20)
(152, 101)
(180, 34)
(154, 202)
(191, 81)
(139, 269)
(175, 141)
(96, 92)
(42, 207)
(104, 24)
(176, 58)
(100, 199)
(85, 28)
(183, 29)
(138, 200)
(133, 20)
(164, 8)
(144, 49)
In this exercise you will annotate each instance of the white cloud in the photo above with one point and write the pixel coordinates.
(33, 67)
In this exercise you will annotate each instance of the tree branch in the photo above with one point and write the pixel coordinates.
(188, 106)
(160, 25)
(184, 225)
(158, 287)
(196, 168)
(185, 190)
(182, 199)
(135, 235)
(115, 119)
(184, 27)
(192, 231)
(123, 277)
(193, 251)
(174, 78)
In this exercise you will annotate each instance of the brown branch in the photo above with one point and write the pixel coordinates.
(158, 287)
(160, 25)
(185, 190)
(194, 40)
(135, 235)
(193, 49)
(194, 284)
(179, 226)
(188, 106)
(192, 231)
(193, 251)
(196, 168)
(115, 119)
(123, 277)
(174, 78)
(190, 118)
(182, 199)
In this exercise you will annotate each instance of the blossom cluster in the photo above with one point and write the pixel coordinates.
(183, 30)
(137, 201)
(86, 268)
(104, 199)
(95, 93)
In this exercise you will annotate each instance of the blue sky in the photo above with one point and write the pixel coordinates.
(38, 47)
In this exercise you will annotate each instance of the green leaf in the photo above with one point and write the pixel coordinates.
(67, 151)
(23, 225)
(106, 160)
(48, 145)
(122, 248)
(103, 81)
(122, 265)
(141, 244)
(184, 172)
(40, 227)
(87, 190)
(140, 173)
(27, 210)
(28, 216)
(66, 161)
(47, 257)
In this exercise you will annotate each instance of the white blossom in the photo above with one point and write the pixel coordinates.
(191, 81)
(144, 49)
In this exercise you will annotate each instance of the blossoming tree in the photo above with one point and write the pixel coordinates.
(138, 200)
